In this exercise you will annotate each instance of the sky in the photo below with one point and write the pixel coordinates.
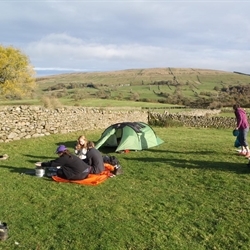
(89, 36)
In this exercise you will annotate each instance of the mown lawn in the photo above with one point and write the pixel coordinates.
(192, 192)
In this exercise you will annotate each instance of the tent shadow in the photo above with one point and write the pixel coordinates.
(108, 150)
(192, 164)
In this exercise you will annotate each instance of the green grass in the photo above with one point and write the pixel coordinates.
(124, 83)
(93, 102)
(134, 84)
(20, 102)
(192, 192)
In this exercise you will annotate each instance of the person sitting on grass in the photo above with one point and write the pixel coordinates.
(94, 158)
(71, 166)
(81, 147)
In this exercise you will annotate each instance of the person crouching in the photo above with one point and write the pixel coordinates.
(71, 166)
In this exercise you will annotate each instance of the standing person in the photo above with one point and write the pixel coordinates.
(242, 126)
(94, 158)
(81, 147)
(72, 167)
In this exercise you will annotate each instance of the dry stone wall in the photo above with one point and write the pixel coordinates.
(21, 122)
(199, 121)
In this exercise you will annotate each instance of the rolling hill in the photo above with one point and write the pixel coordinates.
(182, 86)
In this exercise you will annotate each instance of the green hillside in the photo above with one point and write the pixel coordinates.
(181, 86)
(199, 88)
(148, 76)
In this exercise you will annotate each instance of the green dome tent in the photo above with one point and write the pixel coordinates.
(129, 135)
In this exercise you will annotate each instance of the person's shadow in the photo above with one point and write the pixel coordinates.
(20, 170)
(193, 164)
(69, 144)
(25, 171)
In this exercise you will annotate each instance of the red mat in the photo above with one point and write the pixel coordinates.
(92, 179)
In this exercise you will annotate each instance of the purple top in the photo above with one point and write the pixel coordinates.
(241, 118)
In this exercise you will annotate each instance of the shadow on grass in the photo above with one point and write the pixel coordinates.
(20, 170)
(25, 171)
(204, 152)
(71, 145)
(38, 157)
(239, 168)
(108, 150)
(68, 144)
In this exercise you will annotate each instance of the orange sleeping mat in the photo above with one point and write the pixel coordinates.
(92, 179)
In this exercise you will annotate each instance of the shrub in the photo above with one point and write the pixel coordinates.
(50, 102)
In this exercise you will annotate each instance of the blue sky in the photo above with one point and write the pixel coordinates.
(115, 35)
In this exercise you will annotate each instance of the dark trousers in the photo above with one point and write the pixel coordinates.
(243, 136)
(79, 176)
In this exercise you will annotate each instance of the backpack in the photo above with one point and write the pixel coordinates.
(110, 159)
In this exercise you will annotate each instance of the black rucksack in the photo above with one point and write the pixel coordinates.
(110, 159)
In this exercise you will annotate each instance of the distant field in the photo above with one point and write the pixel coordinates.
(148, 76)
(198, 77)
(146, 83)
(96, 103)
(133, 87)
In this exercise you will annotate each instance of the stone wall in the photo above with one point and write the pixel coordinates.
(201, 121)
(22, 122)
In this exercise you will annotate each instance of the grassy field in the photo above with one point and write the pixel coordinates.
(140, 84)
(192, 192)
(147, 77)
(134, 87)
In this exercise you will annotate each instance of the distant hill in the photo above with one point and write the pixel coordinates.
(185, 86)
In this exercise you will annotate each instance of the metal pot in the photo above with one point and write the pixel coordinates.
(40, 172)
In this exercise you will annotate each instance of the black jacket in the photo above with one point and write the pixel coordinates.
(71, 165)
(95, 160)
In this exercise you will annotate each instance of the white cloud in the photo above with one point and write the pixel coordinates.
(111, 35)
(75, 53)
